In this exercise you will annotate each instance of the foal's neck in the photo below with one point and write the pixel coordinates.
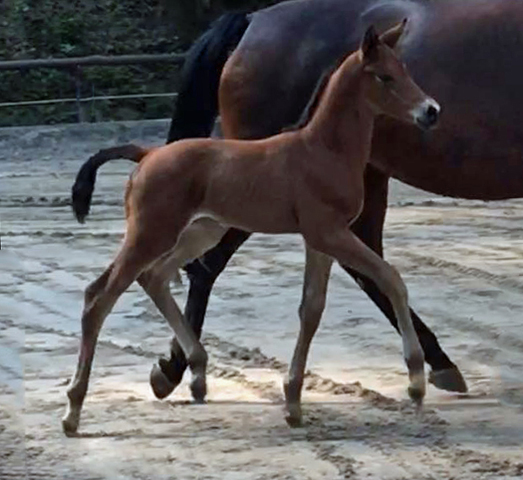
(344, 120)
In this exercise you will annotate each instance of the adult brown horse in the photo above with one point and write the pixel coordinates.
(464, 52)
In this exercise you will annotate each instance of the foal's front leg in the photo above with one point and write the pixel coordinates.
(342, 244)
(369, 228)
(316, 278)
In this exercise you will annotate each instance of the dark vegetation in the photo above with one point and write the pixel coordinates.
(75, 28)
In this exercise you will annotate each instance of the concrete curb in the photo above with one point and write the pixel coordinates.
(47, 136)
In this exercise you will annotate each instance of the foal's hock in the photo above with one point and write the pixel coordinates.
(308, 181)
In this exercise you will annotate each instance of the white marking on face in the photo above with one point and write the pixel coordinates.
(426, 113)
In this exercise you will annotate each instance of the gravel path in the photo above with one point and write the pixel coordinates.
(461, 260)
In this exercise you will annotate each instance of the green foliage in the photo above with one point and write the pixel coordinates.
(191, 16)
(76, 28)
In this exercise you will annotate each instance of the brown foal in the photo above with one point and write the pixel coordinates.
(308, 181)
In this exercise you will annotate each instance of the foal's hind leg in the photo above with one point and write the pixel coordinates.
(158, 289)
(142, 246)
(197, 238)
(202, 273)
(160, 275)
(316, 279)
(100, 297)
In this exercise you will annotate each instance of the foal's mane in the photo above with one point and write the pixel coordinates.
(312, 104)
(315, 98)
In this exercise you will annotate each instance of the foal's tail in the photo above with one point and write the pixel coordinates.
(83, 187)
(197, 102)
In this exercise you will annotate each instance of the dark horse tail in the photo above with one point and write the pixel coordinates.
(84, 184)
(197, 103)
(196, 106)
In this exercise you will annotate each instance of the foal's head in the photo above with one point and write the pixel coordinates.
(388, 86)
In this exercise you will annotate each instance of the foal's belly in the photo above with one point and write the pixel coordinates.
(252, 207)
(255, 218)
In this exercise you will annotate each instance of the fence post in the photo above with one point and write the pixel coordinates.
(78, 91)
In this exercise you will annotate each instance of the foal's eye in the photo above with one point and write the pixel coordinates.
(385, 78)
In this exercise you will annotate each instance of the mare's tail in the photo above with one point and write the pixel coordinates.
(83, 187)
(197, 102)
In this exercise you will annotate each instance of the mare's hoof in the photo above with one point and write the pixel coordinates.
(293, 416)
(199, 389)
(70, 425)
(449, 379)
(161, 384)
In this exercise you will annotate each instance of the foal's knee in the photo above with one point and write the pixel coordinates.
(312, 305)
(396, 289)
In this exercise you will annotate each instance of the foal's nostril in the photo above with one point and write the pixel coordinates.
(427, 116)
(432, 114)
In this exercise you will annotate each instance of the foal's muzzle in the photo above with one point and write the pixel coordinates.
(427, 115)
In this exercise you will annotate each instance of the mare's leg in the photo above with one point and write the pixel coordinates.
(342, 244)
(316, 279)
(369, 228)
(202, 274)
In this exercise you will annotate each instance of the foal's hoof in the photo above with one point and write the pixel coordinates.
(416, 394)
(199, 389)
(417, 389)
(293, 416)
(161, 385)
(449, 379)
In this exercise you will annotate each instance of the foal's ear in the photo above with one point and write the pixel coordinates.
(391, 36)
(370, 43)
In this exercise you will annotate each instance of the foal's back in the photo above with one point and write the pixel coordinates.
(248, 184)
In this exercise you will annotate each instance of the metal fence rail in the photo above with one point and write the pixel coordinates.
(91, 61)
(87, 99)
(75, 65)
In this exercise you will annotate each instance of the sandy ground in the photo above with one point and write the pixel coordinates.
(462, 262)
